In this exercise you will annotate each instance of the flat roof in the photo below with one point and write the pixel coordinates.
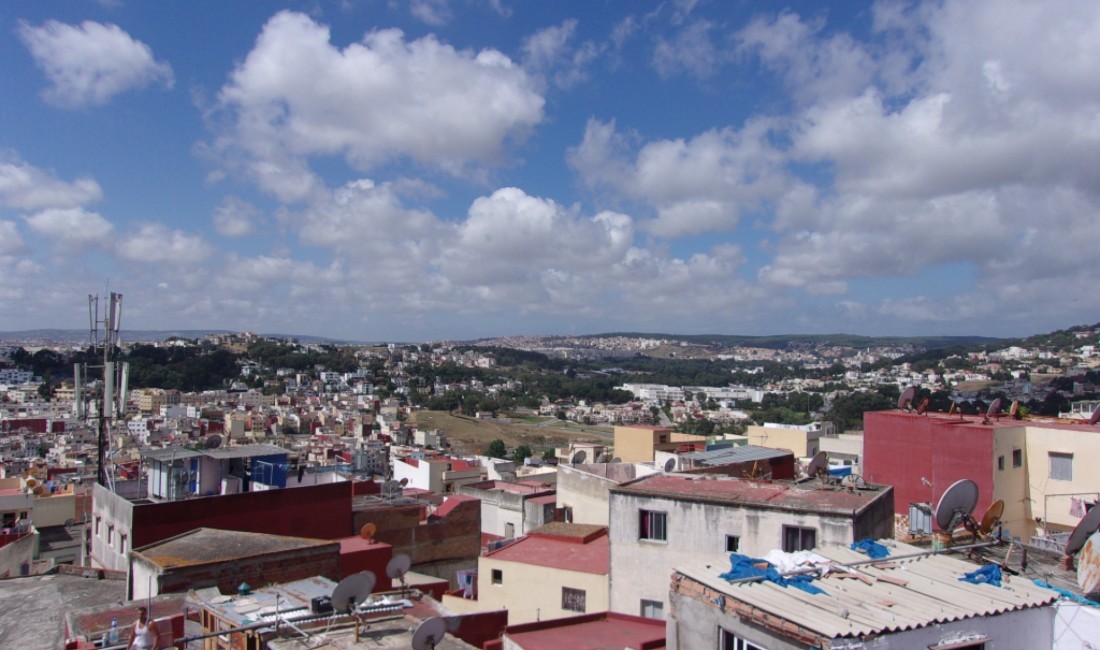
(245, 451)
(782, 495)
(34, 608)
(872, 599)
(211, 545)
(553, 552)
(604, 631)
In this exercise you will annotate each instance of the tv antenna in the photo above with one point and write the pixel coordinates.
(397, 567)
(352, 591)
(906, 398)
(956, 504)
(429, 633)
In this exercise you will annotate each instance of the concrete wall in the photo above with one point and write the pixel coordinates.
(18, 555)
(439, 545)
(1011, 484)
(800, 442)
(695, 622)
(322, 512)
(641, 568)
(635, 444)
(532, 593)
(585, 488)
(1083, 442)
(148, 579)
(54, 510)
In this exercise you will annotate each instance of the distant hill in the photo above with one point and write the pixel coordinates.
(782, 341)
(77, 337)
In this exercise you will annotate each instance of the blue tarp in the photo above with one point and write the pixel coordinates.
(743, 566)
(1065, 593)
(989, 574)
(873, 549)
(840, 471)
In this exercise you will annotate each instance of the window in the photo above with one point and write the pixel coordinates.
(498, 577)
(652, 525)
(733, 542)
(729, 641)
(572, 599)
(798, 539)
(1000, 463)
(653, 609)
(111, 536)
(97, 522)
(1061, 466)
(1017, 457)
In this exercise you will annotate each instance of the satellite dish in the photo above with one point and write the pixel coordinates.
(352, 590)
(619, 460)
(853, 481)
(922, 408)
(429, 633)
(31, 483)
(1088, 525)
(391, 487)
(398, 566)
(403, 482)
(991, 517)
(994, 408)
(367, 531)
(1014, 410)
(69, 523)
(951, 411)
(1088, 567)
(817, 464)
(213, 441)
(579, 457)
(907, 397)
(670, 465)
(39, 491)
(956, 504)
(1095, 417)
(603, 458)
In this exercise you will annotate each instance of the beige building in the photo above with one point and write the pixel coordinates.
(637, 443)
(802, 440)
(556, 571)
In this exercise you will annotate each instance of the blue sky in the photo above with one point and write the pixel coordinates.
(459, 169)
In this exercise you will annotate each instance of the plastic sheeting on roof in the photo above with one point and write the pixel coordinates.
(871, 548)
(988, 574)
(743, 566)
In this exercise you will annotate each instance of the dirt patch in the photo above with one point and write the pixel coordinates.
(470, 435)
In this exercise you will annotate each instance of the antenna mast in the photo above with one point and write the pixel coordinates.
(113, 378)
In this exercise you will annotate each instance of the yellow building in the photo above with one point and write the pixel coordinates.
(557, 570)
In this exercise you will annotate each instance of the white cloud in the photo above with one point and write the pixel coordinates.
(25, 187)
(235, 217)
(157, 243)
(432, 12)
(71, 227)
(550, 52)
(90, 63)
(11, 243)
(698, 185)
(691, 50)
(296, 95)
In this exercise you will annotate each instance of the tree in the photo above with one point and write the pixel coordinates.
(496, 449)
(521, 453)
(549, 454)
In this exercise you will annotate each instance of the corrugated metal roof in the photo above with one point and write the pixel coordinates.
(734, 455)
(932, 593)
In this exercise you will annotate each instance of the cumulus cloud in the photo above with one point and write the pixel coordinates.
(25, 187)
(157, 243)
(296, 95)
(11, 243)
(690, 50)
(235, 217)
(90, 63)
(71, 228)
(551, 52)
(432, 12)
(698, 185)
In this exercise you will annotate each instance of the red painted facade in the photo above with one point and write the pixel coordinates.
(357, 554)
(899, 448)
(321, 512)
